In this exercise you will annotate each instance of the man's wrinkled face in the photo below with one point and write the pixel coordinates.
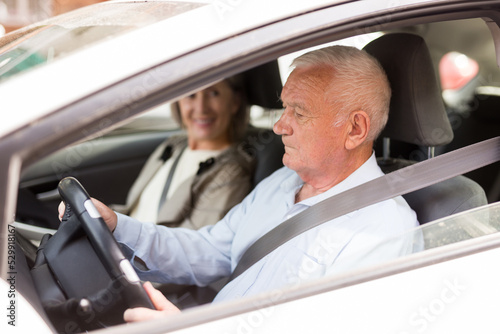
(312, 142)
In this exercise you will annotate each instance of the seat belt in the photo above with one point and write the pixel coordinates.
(399, 182)
(170, 177)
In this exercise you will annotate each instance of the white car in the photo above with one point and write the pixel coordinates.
(87, 94)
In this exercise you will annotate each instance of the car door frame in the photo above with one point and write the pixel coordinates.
(206, 65)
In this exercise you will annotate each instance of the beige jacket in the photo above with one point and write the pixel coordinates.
(207, 196)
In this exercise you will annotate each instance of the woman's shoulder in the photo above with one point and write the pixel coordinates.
(238, 153)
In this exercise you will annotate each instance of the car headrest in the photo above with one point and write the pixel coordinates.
(417, 113)
(263, 85)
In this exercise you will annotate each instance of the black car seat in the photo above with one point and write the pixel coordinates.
(418, 117)
(479, 122)
(268, 148)
(263, 87)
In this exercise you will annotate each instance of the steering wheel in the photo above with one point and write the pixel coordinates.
(101, 239)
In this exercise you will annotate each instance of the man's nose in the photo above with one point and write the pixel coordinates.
(282, 126)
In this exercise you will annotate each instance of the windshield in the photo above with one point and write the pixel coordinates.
(54, 38)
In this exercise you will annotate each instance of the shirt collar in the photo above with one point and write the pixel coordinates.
(369, 170)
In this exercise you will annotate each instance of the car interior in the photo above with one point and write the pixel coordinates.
(408, 139)
(419, 121)
(416, 113)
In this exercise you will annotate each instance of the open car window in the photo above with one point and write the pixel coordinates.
(159, 118)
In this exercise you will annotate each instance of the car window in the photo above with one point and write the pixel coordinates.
(358, 41)
(459, 78)
(472, 224)
(156, 119)
(461, 227)
(456, 70)
(159, 118)
(467, 225)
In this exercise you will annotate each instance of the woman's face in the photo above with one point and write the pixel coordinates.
(207, 116)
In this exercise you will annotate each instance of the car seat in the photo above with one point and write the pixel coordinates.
(418, 117)
(263, 88)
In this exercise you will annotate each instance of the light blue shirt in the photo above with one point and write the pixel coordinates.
(183, 256)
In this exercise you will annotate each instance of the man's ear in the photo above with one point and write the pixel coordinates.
(359, 125)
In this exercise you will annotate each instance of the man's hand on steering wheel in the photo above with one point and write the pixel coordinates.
(163, 307)
(108, 215)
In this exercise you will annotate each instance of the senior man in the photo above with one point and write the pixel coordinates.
(336, 103)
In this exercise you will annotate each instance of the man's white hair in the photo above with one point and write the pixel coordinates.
(358, 83)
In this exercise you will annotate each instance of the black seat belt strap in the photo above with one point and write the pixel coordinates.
(399, 182)
(170, 177)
